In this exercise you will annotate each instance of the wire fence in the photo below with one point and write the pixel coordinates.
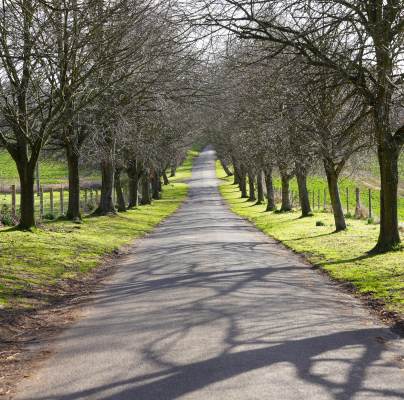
(356, 202)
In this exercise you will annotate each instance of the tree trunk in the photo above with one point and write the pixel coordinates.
(286, 205)
(260, 189)
(243, 183)
(236, 179)
(73, 208)
(160, 183)
(301, 177)
(155, 181)
(120, 198)
(332, 180)
(226, 168)
(173, 171)
(107, 186)
(134, 173)
(27, 208)
(251, 188)
(165, 178)
(236, 172)
(389, 236)
(388, 147)
(271, 206)
(146, 195)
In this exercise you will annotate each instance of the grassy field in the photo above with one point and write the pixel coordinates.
(318, 185)
(342, 255)
(31, 264)
(51, 172)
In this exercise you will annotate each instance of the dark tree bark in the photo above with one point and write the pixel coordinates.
(236, 172)
(173, 171)
(243, 183)
(134, 172)
(236, 179)
(260, 189)
(251, 187)
(120, 198)
(388, 146)
(159, 175)
(146, 195)
(226, 168)
(72, 155)
(301, 176)
(27, 208)
(332, 180)
(389, 236)
(106, 205)
(155, 181)
(26, 172)
(165, 178)
(286, 205)
(271, 206)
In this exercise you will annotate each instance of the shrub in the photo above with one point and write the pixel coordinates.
(90, 206)
(6, 216)
(49, 216)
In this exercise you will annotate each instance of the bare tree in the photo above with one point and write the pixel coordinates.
(29, 107)
(364, 46)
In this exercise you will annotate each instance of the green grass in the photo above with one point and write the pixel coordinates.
(32, 264)
(342, 255)
(319, 185)
(51, 172)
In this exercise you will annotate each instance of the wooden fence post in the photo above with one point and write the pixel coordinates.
(318, 200)
(62, 205)
(325, 199)
(41, 209)
(96, 197)
(85, 199)
(370, 204)
(52, 203)
(13, 201)
(347, 200)
(357, 203)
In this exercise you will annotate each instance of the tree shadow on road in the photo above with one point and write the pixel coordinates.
(265, 307)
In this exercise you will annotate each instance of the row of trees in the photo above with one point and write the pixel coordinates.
(283, 114)
(324, 80)
(110, 80)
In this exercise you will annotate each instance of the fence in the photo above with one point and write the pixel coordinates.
(49, 202)
(361, 203)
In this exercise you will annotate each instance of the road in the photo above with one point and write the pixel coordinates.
(207, 307)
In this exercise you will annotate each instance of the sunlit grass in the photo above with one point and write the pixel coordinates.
(51, 172)
(58, 250)
(342, 254)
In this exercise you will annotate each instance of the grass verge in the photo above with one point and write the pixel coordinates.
(33, 264)
(316, 186)
(342, 255)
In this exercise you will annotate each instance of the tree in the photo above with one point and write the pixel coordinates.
(29, 107)
(364, 47)
(333, 121)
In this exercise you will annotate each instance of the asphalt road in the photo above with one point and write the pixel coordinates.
(207, 307)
